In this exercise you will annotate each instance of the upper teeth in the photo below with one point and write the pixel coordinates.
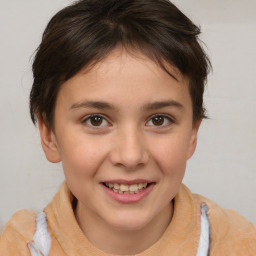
(127, 188)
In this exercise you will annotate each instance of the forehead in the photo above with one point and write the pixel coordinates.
(122, 74)
(120, 58)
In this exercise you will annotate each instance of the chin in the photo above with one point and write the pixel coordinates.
(129, 222)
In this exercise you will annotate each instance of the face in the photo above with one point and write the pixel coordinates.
(123, 131)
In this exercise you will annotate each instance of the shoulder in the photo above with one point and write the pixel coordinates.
(22, 223)
(231, 233)
(18, 232)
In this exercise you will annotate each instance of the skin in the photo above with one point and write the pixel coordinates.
(127, 143)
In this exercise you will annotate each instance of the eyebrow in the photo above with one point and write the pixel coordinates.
(92, 104)
(101, 105)
(162, 104)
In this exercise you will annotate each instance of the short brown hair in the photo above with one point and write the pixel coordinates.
(85, 32)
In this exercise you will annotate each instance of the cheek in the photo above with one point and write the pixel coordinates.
(171, 154)
(82, 157)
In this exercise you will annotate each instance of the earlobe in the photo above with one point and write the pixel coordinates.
(193, 139)
(48, 142)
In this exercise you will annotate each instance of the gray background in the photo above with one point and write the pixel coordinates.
(223, 167)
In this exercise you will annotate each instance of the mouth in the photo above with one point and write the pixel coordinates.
(123, 188)
(128, 191)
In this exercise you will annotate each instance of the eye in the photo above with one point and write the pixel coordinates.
(95, 121)
(160, 120)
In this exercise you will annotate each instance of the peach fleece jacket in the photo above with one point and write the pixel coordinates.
(231, 234)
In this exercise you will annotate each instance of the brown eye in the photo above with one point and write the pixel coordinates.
(158, 120)
(96, 121)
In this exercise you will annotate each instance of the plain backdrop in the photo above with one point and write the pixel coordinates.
(224, 165)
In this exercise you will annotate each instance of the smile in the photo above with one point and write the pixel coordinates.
(125, 188)
(125, 192)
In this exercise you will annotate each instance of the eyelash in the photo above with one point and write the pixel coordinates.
(169, 119)
(89, 118)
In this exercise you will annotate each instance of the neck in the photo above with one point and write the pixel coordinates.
(122, 242)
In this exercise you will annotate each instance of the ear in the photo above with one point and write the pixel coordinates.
(193, 139)
(48, 141)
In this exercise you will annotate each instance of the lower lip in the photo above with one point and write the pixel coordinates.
(128, 198)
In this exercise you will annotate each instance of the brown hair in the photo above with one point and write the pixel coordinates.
(85, 32)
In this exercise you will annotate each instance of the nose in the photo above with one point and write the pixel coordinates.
(129, 149)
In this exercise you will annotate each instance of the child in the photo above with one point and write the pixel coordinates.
(118, 96)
